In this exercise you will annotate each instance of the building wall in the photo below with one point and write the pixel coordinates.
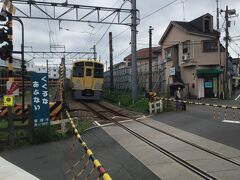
(197, 58)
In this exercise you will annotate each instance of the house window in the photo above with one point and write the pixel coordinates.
(186, 47)
(210, 46)
(207, 25)
(168, 54)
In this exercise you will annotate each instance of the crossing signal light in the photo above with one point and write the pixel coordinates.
(5, 48)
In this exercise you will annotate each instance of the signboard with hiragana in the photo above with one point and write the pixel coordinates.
(40, 99)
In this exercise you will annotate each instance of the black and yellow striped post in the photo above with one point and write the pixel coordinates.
(10, 78)
(234, 108)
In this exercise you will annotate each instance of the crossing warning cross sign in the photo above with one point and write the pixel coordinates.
(12, 88)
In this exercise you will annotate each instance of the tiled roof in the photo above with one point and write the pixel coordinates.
(144, 53)
(189, 26)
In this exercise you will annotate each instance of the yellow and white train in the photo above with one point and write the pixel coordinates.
(87, 79)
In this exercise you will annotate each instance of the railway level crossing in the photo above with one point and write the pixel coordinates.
(39, 120)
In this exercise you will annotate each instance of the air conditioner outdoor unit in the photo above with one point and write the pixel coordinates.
(185, 57)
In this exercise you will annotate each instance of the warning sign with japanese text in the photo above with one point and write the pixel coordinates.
(40, 99)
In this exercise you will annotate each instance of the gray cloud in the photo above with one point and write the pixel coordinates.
(79, 39)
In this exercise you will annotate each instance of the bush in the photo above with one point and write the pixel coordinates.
(45, 134)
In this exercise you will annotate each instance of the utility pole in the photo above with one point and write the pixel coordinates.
(111, 62)
(94, 52)
(227, 88)
(47, 68)
(226, 53)
(150, 59)
(106, 65)
(217, 16)
(64, 79)
(133, 49)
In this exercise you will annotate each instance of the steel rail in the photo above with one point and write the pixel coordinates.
(178, 138)
(181, 161)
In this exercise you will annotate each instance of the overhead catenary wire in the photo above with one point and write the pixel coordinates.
(172, 2)
(122, 52)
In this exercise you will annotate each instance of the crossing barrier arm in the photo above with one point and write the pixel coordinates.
(88, 151)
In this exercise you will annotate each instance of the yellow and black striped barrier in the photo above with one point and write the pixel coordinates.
(17, 110)
(200, 103)
(216, 108)
(54, 107)
(55, 110)
(97, 164)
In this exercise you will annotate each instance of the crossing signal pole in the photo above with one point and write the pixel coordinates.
(6, 53)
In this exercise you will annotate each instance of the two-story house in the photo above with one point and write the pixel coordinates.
(194, 57)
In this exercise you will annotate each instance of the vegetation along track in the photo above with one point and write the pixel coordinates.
(181, 161)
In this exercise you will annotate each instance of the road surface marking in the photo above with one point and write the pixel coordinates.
(11, 171)
(144, 117)
(237, 97)
(97, 123)
(230, 121)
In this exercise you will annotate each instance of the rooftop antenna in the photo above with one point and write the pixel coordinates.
(183, 10)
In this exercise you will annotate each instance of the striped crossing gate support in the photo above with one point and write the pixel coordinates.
(3, 111)
(17, 109)
(55, 110)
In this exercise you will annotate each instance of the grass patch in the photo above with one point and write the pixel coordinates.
(46, 134)
(125, 100)
(141, 105)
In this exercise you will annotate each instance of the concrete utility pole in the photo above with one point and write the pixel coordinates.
(133, 49)
(111, 62)
(150, 58)
(226, 53)
(217, 16)
(47, 67)
(94, 53)
(227, 88)
(64, 79)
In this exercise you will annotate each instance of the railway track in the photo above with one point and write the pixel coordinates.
(181, 161)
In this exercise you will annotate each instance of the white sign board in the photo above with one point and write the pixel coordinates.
(201, 93)
(12, 88)
(172, 71)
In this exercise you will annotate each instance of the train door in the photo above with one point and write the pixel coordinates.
(88, 80)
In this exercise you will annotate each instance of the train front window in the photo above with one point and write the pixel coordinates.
(88, 64)
(78, 72)
(88, 72)
(98, 73)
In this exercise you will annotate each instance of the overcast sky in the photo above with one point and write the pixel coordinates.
(81, 37)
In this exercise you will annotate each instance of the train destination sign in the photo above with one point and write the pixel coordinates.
(40, 99)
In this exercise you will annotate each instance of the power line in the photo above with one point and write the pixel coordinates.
(122, 52)
(234, 50)
(159, 9)
(109, 25)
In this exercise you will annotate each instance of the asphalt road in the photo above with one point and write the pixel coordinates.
(199, 120)
(51, 160)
